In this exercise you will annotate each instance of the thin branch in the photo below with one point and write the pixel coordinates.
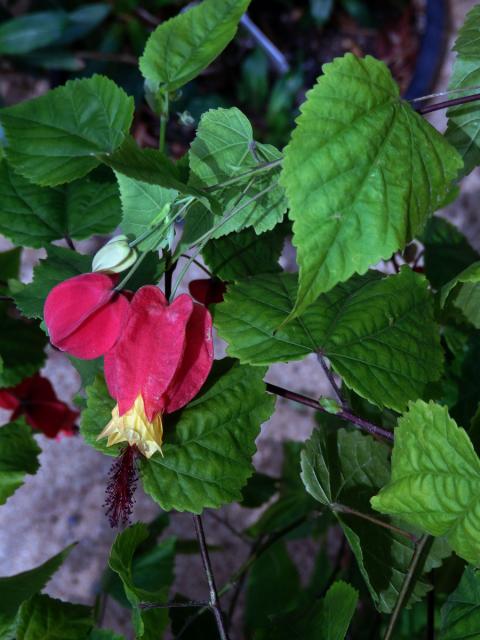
(198, 264)
(247, 174)
(414, 570)
(69, 241)
(341, 508)
(333, 383)
(228, 526)
(175, 605)
(346, 415)
(214, 601)
(454, 102)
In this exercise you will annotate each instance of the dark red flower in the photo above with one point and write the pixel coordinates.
(35, 399)
(208, 290)
(159, 363)
(85, 315)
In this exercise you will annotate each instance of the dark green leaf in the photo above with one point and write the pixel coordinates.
(97, 415)
(42, 618)
(26, 33)
(18, 456)
(461, 612)
(258, 490)
(104, 634)
(207, 456)
(378, 332)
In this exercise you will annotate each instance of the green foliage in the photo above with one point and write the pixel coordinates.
(59, 265)
(26, 33)
(179, 49)
(435, 478)
(21, 348)
(224, 421)
(461, 612)
(18, 456)
(378, 333)
(97, 415)
(43, 617)
(224, 149)
(362, 173)
(59, 136)
(104, 634)
(467, 293)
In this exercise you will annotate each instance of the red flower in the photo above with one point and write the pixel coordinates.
(85, 315)
(160, 362)
(208, 290)
(35, 399)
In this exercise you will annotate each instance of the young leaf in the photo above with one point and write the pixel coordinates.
(59, 265)
(224, 148)
(461, 612)
(58, 137)
(180, 48)
(97, 415)
(207, 457)
(464, 120)
(435, 480)
(18, 456)
(242, 254)
(21, 348)
(143, 206)
(44, 617)
(325, 619)
(378, 332)
(345, 469)
(467, 293)
(16, 589)
(362, 173)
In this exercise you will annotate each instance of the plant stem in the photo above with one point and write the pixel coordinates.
(69, 242)
(449, 103)
(163, 123)
(365, 425)
(199, 265)
(170, 268)
(331, 378)
(247, 174)
(174, 605)
(130, 273)
(341, 508)
(214, 601)
(414, 570)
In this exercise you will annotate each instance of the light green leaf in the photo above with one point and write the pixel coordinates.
(21, 348)
(42, 618)
(18, 456)
(224, 148)
(435, 482)
(180, 48)
(378, 332)
(26, 33)
(467, 293)
(362, 173)
(345, 469)
(144, 205)
(242, 254)
(97, 415)
(16, 589)
(461, 612)
(59, 136)
(207, 456)
(59, 265)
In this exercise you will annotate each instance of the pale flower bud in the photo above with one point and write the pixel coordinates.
(115, 256)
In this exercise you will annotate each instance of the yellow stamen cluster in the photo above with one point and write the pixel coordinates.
(135, 428)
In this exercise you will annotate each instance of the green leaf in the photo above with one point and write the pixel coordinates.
(325, 619)
(59, 265)
(42, 618)
(21, 348)
(464, 120)
(180, 48)
(242, 254)
(104, 634)
(378, 332)
(26, 33)
(461, 612)
(144, 205)
(18, 456)
(207, 457)
(435, 482)
(97, 415)
(447, 251)
(467, 293)
(224, 148)
(362, 173)
(344, 469)
(153, 573)
(10, 264)
(59, 136)
(273, 586)
(87, 369)
(258, 490)
(91, 208)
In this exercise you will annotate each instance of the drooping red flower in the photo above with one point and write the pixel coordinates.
(159, 363)
(208, 290)
(35, 399)
(85, 315)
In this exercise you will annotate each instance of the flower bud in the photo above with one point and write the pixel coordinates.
(115, 256)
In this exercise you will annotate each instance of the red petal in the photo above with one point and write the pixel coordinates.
(8, 399)
(51, 418)
(208, 290)
(84, 315)
(196, 363)
(149, 351)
